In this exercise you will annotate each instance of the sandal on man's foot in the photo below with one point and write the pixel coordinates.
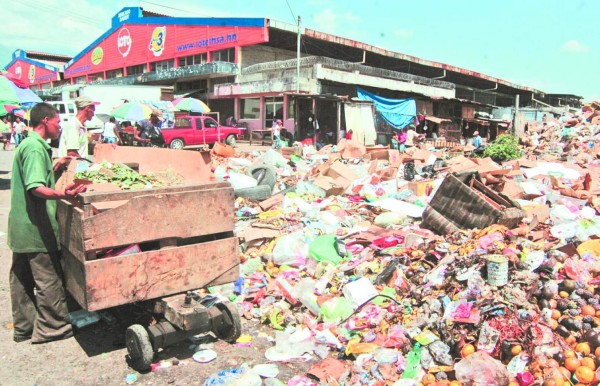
(21, 338)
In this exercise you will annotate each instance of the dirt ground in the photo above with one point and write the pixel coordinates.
(97, 353)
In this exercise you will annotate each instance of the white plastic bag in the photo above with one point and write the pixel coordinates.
(241, 181)
(291, 249)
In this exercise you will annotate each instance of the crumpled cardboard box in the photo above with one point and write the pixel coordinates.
(334, 178)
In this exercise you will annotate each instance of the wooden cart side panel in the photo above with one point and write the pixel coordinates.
(74, 273)
(160, 216)
(91, 197)
(70, 226)
(149, 275)
(193, 166)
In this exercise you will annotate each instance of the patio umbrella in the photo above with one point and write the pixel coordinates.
(191, 104)
(24, 114)
(12, 94)
(131, 111)
(8, 108)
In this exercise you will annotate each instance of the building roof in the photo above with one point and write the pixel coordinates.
(354, 51)
(52, 62)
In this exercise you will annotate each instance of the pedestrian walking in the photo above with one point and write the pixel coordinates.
(19, 127)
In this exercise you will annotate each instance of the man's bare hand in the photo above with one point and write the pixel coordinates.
(73, 190)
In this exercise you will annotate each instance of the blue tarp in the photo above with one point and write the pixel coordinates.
(397, 112)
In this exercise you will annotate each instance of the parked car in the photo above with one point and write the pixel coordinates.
(199, 130)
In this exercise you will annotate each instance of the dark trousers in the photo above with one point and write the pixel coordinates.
(43, 315)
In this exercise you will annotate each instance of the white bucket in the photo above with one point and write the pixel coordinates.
(497, 270)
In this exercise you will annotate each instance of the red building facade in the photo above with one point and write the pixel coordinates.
(139, 43)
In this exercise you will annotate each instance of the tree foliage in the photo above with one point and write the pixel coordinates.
(504, 148)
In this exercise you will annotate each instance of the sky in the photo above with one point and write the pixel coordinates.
(550, 45)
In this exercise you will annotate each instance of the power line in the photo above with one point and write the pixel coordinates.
(173, 8)
(66, 13)
(292, 12)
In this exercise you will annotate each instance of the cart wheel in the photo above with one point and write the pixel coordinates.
(232, 328)
(139, 347)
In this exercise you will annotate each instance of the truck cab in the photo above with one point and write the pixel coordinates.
(199, 130)
(66, 110)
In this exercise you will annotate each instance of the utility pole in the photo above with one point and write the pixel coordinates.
(298, 59)
(516, 119)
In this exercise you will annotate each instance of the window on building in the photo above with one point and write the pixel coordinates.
(46, 86)
(162, 66)
(250, 108)
(191, 60)
(291, 114)
(273, 110)
(96, 76)
(199, 84)
(118, 73)
(227, 55)
(456, 111)
(134, 70)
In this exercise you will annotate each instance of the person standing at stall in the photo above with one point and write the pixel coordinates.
(411, 136)
(110, 133)
(145, 129)
(39, 315)
(74, 137)
(476, 140)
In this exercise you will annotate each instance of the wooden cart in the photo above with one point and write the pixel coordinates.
(187, 242)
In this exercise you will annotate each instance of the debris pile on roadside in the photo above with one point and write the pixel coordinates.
(426, 267)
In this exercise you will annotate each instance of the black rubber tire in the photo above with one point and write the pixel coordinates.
(232, 320)
(177, 143)
(270, 175)
(256, 193)
(139, 347)
(231, 140)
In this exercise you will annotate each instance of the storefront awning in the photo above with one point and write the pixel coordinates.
(436, 119)
(477, 121)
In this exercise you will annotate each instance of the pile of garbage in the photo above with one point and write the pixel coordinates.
(425, 267)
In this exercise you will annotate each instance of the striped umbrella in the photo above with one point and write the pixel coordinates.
(12, 94)
(8, 108)
(191, 104)
(132, 111)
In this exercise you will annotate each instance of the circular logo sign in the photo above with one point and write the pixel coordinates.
(124, 42)
(31, 73)
(157, 41)
(97, 56)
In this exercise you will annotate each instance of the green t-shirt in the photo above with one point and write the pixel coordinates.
(32, 224)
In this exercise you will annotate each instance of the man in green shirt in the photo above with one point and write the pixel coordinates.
(33, 235)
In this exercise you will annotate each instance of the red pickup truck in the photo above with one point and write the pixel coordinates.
(199, 130)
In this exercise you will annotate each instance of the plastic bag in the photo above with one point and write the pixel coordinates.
(324, 248)
(390, 218)
(274, 158)
(481, 369)
(238, 163)
(291, 250)
(336, 309)
(241, 181)
(304, 291)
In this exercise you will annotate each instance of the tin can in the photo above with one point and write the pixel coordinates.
(497, 270)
